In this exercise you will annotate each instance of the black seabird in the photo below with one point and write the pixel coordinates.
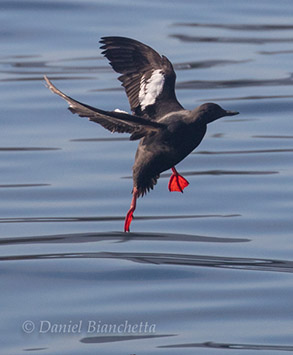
(167, 132)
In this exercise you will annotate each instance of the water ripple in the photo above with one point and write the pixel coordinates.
(170, 259)
(118, 237)
(238, 83)
(239, 27)
(26, 149)
(8, 186)
(115, 338)
(224, 172)
(40, 78)
(104, 139)
(105, 218)
(273, 136)
(219, 172)
(253, 151)
(212, 345)
(222, 39)
(35, 5)
(207, 64)
(250, 97)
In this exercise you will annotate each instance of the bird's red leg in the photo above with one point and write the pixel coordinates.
(129, 215)
(177, 181)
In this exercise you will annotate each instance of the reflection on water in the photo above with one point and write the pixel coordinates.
(256, 151)
(106, 139)
(239, 83)
(119, 237)
(26, 66)
(206, 64)
(152, 258)
(26, 149)
(171, 259)
(111, 339)
(105, 218)
(211, 345)
(254, 97)
(239, 27)
(252, 40)
(276, 52)
(8, 186)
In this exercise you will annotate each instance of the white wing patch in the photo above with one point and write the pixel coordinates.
(121, 111)
(150, 89)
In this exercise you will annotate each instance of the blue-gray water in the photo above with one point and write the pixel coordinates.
(206, 272)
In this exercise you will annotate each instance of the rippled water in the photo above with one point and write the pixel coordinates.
(205, 272)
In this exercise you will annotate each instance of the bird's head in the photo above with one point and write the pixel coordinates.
(210, 112)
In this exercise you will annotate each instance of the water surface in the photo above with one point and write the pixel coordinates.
(206, 272)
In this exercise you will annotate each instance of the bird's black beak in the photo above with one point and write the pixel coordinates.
(231, 113)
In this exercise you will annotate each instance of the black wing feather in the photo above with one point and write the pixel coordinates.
(137, 62)
(113, 121)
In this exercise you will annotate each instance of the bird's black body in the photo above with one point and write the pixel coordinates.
(167, 132)
(164, 149)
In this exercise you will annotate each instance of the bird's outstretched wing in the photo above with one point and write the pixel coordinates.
(113, 121)
(148, 78)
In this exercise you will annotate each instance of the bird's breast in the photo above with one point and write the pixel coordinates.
(162, 151)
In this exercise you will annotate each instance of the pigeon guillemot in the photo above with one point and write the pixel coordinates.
(167, 132)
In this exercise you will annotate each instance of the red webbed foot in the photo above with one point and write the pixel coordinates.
(177, 182)
(128, 220)
(129, 215)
